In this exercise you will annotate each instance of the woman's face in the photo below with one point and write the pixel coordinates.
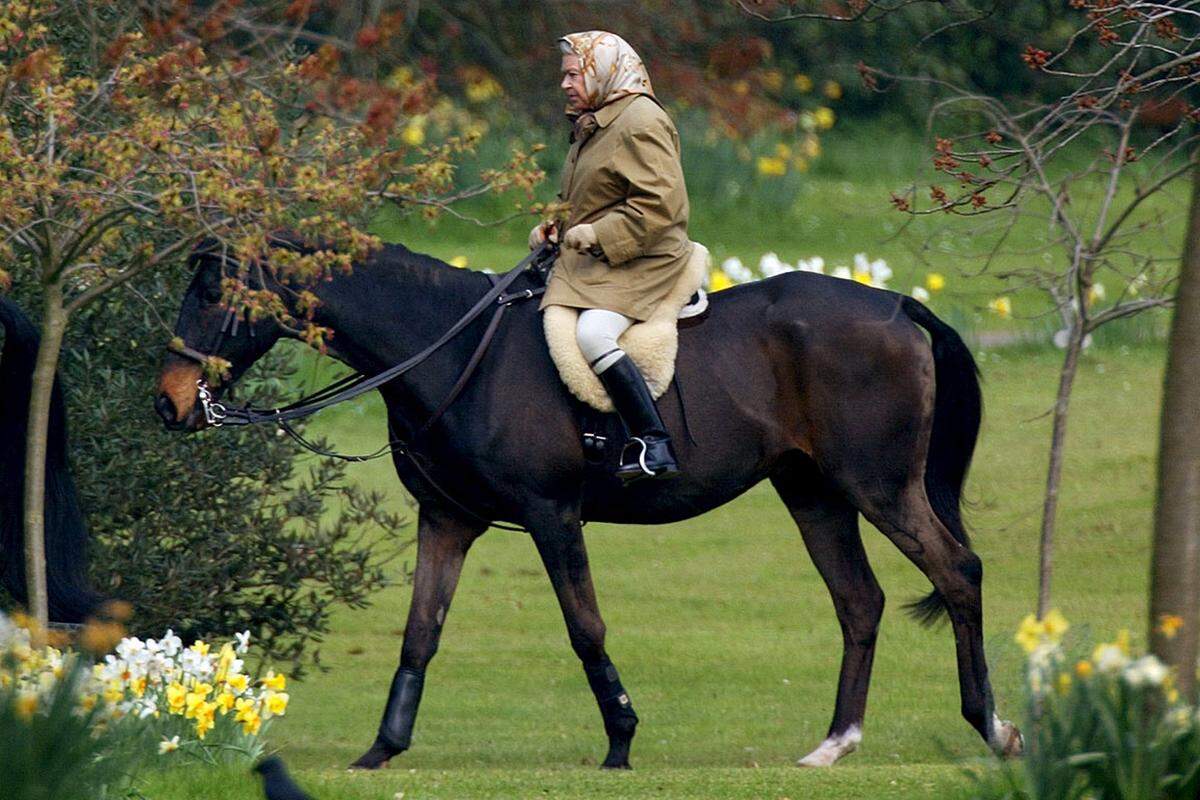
(572, 82)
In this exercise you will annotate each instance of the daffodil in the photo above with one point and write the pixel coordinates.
(238, 683)
(274, 682)
(176, 697)
(1169, 625)
(824, 117)
(935, 281)
(458, 261)
(27, 703)
(718, 281)
(1084, 669)
(802, 83)
(168, 745)
(772, 166)
(1001, 307)
(276, 703)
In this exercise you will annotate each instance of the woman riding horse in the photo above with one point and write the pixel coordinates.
(625, 242)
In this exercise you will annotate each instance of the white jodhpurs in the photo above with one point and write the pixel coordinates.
(597, 334)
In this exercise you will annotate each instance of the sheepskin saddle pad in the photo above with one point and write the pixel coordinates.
(651, 344)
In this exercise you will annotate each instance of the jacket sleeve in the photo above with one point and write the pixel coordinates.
(655, 199)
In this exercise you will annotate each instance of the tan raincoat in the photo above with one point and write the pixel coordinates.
(623, 175)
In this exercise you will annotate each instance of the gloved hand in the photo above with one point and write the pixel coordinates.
(540, 233)
(582, 238)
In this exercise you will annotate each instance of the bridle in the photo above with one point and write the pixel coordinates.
(218, 414)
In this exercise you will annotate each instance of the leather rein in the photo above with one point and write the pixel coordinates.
(219, 415)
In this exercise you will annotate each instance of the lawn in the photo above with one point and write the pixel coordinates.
(724, 632)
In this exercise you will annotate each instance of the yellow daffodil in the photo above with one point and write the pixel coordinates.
(1064, 682)
(862, 276)
(783, 150)
(458, 261)
(1029, 634)
(1084, 669)
(88, 702)
(824, 117)
(802, 83)
(718, 280)
(1001, 307)
(833, 90)
(176, 697)
(27, 703)
(772, 166)
(139, 686)
(251, 723)
(225, 702)
(113, 692)
(1169, 625)
(274, 682)
(277, 703)
(935, 281)
(245, 707)
(226, 660)
(238, 683)
(1055, 625)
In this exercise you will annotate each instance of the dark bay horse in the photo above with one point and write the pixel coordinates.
(829, 389)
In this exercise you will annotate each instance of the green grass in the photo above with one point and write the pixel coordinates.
(724, 632)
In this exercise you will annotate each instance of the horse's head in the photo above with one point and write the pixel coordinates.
(208, 329)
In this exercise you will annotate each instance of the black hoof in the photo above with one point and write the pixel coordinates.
(616, 765)
(377, 757)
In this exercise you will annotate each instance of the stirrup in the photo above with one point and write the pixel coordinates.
(641, 460)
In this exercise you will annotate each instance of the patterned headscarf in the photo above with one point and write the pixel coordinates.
(611, 70)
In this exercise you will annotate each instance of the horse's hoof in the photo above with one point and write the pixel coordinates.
(833, 748)
(375, 758)
(616, 765)
(1007, 741)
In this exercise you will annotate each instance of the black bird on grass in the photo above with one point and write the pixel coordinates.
(277, 784)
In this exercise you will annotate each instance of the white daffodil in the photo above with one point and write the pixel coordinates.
(920, 293)
(881, 273)
(843, 272)
(243, 641)
(770, 265)
(171, 643)
(736, 270)
(1146, 671)
(1110, 659)
(814, 264)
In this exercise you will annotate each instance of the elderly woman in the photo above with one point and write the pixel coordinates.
(625, 240)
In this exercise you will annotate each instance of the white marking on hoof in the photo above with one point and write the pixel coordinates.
(833, 748)
(1007, 741)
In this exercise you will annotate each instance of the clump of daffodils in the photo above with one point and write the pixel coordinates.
(197, 699)
(1110, 724)
(867, 271)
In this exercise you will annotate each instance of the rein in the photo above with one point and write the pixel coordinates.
(219, 415)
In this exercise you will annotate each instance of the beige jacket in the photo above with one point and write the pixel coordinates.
(626, 180)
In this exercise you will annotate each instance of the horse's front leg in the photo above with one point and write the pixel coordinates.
(442, 544)
(559, 540)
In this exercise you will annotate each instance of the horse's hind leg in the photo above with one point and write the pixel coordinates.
(829, 527)
(559, 540)
(957, 573)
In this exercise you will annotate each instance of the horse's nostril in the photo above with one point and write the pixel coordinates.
(165, 409)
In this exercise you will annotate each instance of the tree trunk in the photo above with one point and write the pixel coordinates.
(54, 323)
(1066, 379)
(1175, 561)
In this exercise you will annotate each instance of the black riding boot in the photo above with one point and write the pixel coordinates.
(649, 445)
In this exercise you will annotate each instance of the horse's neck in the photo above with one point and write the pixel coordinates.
(392, 307)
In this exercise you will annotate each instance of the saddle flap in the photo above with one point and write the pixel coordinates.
(652, 344)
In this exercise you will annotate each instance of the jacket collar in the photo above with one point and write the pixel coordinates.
(606, 114)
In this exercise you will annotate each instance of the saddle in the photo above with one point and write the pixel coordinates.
(652, 344)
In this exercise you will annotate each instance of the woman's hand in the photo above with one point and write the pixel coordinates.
(582, 238)
(540, 233)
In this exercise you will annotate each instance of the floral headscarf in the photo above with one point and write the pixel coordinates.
(611, 70)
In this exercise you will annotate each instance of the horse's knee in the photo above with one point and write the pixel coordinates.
(860, 619)
(420, 645)
(587, 641)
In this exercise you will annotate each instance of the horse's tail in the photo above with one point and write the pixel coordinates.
(957, 412)
(66, 533)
